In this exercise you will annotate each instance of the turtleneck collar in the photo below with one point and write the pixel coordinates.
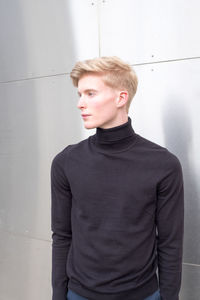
(115, 139)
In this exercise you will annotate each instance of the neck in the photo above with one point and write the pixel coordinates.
(115, 139)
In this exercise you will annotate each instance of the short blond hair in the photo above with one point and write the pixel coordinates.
(116, 74)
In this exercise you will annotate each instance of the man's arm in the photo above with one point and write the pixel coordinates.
(170, 227)
(60, 226)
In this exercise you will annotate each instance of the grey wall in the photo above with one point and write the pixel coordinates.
(39, 43)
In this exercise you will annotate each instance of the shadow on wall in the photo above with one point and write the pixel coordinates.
(20, 157)
(179, 140)
(19, 130)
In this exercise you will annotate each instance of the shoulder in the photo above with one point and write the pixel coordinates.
(65, 153)
(161, 155)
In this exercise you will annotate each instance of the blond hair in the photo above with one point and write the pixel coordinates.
(116, 73)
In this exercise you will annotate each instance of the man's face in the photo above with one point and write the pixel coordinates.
(97, 100)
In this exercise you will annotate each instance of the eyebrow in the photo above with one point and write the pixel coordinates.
(87, 90)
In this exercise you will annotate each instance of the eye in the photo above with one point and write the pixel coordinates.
(91, 94)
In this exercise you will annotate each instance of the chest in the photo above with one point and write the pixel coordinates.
(121, 188)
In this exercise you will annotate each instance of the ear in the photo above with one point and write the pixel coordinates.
(122, 98)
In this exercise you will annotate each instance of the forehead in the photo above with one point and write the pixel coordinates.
(91, 81)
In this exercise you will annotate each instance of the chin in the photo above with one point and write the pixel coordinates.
(89, 126)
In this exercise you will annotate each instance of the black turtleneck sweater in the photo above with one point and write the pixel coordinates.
(117, 215)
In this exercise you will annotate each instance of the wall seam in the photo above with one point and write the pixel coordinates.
(189, 264)
(137, 64)
(99, 24)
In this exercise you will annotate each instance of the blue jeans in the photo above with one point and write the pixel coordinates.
(73, 296)
(154, 296)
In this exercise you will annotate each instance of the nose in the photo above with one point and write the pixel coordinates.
(81, 102)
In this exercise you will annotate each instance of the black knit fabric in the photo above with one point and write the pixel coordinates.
(117, 214)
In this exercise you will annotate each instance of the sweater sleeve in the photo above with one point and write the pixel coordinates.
(170, 228)
(60, 226)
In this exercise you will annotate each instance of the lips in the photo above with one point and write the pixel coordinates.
(85, 115)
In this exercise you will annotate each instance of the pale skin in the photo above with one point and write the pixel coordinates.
(106, 106)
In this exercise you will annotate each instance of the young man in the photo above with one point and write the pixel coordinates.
(117, 199)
